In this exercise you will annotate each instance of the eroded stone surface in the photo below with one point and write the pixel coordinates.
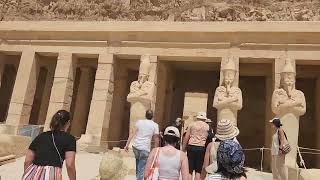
(156, 10)
(289, 104)
(119, 169)
(228, 97)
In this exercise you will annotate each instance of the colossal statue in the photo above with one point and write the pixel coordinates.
(142, 89)
(289, 104)
(228, 97)
(141, 92)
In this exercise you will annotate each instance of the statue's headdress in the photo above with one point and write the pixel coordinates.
(145, 65)
(288, 68)
(229, 65)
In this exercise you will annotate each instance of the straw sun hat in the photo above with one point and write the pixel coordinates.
(202, 115)
(226, 130)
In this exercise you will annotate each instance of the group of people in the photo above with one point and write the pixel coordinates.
(195, 157)
(220, 158)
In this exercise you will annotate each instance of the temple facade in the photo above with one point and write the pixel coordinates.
(107, 73)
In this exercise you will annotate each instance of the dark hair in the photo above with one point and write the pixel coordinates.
(277, 122)
(59, 120)
(149, 114)
(229, 175)
(171, 140)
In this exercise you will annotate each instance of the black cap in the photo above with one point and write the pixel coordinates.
(276, 122)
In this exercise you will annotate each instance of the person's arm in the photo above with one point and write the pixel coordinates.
(132, 134)
(156, 140)
(186, 140)
(29, 159)
(149, 163)
(243, 178)
(156, 136)
(282, 138)
(70, 157)
(206, 161)
(184, 166)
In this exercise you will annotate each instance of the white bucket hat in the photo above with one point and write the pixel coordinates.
(202, 115)
(172, 131)
(226, 130)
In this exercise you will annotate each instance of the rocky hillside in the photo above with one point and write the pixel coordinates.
(161, 10)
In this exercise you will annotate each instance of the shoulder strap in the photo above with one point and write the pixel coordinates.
(285, 135)
(55, 146)
(155, 158)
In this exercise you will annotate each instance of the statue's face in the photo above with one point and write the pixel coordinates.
(229, 77)
(142, 78)
(289, 79)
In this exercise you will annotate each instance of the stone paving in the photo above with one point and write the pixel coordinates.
(87, 165)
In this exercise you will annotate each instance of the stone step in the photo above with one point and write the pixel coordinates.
(7, 159)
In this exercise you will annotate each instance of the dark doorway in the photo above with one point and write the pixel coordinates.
(251, 119)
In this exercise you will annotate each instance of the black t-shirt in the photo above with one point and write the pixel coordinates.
(45, 152)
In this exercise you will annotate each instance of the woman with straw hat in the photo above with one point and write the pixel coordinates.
(225, 131)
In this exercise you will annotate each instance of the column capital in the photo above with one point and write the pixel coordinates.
(106, 58)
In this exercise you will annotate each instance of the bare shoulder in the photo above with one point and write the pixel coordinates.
(183, 154)
(153, 151)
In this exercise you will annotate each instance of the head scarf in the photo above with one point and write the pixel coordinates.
(231, 156)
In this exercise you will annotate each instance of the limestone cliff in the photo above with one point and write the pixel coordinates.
(161, 10)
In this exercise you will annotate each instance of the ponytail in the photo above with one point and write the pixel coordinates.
(59, 120)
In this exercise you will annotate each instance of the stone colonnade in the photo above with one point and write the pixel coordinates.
(89, 87)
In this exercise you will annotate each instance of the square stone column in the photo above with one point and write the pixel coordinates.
(317, 110)
(23, 92)
(153, 78)
(2, 65)
(100, 109)
(62, 89)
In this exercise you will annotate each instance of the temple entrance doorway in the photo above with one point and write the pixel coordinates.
(8, 69)
(126, 70)
(255, 82)
(308, 81)
(85, 71)
(185, 87)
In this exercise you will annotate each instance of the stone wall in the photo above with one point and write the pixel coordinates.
(160, 10)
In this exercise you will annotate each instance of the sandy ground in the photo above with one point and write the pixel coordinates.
(87, 165)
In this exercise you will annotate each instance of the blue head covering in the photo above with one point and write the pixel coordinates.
(231, 156)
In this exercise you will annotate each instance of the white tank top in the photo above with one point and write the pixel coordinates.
(169, 166)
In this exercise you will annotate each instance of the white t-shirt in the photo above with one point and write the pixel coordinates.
(145, 130)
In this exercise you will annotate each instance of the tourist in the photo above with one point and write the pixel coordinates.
(279, 170)
(170, 161)
(178, 124)
(47, 152)
(230, 162)
(210, 133)
(194, 143)
(225, 131)
(144, 132)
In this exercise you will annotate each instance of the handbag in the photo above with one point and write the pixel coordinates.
(153, 173)
(286, 147)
